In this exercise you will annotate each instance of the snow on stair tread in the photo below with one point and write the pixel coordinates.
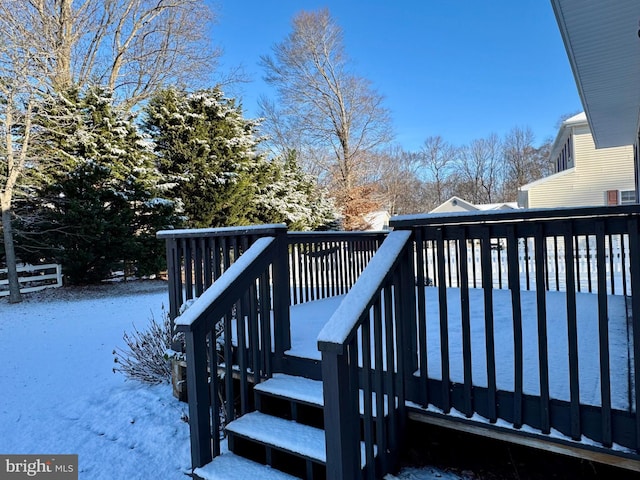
(233, 467)
(280, 433)
(304, 390)
(287, 435)
(296, 388)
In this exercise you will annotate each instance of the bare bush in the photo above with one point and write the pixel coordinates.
(147, 357)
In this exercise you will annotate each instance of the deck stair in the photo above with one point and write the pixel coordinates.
(286, 430)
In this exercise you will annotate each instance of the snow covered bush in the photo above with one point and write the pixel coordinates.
(147, 357)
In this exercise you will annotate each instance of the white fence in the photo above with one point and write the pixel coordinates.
(33, 278)
(615, 254)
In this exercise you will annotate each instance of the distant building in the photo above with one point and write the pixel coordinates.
(584, 175)
(457, 204)
(378, 220)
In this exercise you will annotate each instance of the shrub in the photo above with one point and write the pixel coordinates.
(147, 357)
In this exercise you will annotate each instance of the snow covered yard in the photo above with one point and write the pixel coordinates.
(59, 395)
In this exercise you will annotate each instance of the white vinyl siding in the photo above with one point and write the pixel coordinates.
(595, 172)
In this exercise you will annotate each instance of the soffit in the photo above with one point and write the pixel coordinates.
(603, 45)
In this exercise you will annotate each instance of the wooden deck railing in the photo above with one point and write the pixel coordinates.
(583, 249)
(231, 279)
(392, 341)
(326, 264)
(455, 243)
(197, 257)
(364, 362)
(237, 309)
(320, 264)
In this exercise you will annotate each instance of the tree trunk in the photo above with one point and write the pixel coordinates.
(64, 43)
(10, 252)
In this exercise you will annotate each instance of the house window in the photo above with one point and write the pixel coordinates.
(564, 159)
(627, 197)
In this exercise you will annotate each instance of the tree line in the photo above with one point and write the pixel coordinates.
(107, 135)
(487, 170)
(112, 127)
(112, 180)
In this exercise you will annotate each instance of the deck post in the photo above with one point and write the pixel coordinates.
(281, 293)
(407, 308)
(198, 395)
(634, 260)
(174, 283)
(341, 418)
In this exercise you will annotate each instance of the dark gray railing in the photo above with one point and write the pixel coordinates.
(231, 279)
(321, 264)
(522, 380)
(229, 328)
(198, 257)
(407, 333)
(363, 364)
(555, 250)
(326, 264)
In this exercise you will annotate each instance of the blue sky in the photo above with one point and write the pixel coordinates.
(462, 69)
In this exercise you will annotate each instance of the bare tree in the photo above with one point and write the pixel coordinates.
(326, 104)
(523, 162)
(19, 94)
(481, 169)
(129, 46)
(438, 158)
(400, 187)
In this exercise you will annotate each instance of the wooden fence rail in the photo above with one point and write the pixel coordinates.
(33, 278)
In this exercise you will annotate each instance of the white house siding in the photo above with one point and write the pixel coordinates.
(595, 172)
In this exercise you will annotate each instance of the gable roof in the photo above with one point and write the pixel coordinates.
(454, 203)
(601, 39)
(377, 220)
(458, 204)
(496, 206)
(563, 133)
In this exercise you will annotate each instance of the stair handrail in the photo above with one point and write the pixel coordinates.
(251, 272)
(385, 289)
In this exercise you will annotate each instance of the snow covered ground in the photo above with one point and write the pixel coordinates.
(59, 395)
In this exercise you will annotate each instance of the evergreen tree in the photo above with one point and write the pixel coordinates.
(286, 194)
(207, 154)
(99, 208)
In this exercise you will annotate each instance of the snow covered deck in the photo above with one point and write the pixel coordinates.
(308, 319)
(520, 319)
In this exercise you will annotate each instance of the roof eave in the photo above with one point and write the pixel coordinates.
(603, 49)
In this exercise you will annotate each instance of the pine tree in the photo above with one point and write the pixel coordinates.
(99, 208)
(206, 152)
(286, 194)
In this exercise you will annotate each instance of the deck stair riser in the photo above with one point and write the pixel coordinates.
(295, 398)
(286, 431)
(286, 445)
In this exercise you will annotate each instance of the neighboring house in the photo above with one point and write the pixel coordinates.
(378, 220)
(585, 176)
(601, 39)
(457, 204)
